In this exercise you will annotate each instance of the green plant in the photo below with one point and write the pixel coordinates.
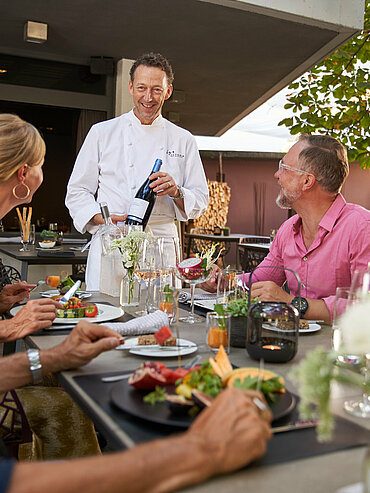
(239, 307)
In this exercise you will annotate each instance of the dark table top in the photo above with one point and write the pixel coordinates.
(13, 250)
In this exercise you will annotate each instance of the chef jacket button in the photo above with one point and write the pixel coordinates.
(305, 258)
(130, 143)
(131, 165)
(161, 148)
(133, 187)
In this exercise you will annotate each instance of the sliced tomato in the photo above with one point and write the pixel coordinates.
(179, 373)
(91, 311)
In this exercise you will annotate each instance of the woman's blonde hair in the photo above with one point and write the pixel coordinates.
(20, 143)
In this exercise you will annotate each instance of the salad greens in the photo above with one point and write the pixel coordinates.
(158, 395)
(268, 387)
(204, 379)
(239, 307)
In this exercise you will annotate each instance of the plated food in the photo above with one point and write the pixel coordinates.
(76, 308)
(197, 387)
(173, 396)
(47, 244)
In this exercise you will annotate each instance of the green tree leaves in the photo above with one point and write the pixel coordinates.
(334, 97)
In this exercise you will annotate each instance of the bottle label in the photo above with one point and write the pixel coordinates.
(138, 208)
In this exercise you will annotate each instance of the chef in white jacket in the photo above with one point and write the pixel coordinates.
(118, 156)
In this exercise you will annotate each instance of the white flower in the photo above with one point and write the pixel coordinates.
(129, 247)
(355, 326)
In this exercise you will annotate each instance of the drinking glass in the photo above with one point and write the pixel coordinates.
(25, 236)
(193, 276)
(229, 286)
(166, 303)
(218, 331)
(360, 291)
(149, 266)
(341, 303)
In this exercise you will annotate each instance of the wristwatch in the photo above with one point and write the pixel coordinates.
(35, 365)
(302, 307)
(180, 194)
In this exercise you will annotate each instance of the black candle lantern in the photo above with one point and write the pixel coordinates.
(272, 329)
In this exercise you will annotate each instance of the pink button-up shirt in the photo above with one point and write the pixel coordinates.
(341, 246)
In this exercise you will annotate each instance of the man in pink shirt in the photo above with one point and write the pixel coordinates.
(325, 242)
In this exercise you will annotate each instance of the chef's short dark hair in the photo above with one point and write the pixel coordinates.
(153, 60)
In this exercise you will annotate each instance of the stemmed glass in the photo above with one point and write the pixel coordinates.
(360, 291)
(149, 266)
(193, 276)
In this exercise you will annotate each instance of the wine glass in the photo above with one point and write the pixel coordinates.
(359, 292)
(148, 266)
(192, 274)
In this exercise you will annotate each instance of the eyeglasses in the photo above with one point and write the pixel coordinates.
(285, 166)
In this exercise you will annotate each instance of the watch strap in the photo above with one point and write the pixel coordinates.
(35, 365)
(180, 194)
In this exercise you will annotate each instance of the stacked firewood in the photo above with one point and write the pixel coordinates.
(218, 208)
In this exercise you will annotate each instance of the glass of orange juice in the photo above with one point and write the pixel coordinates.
(218, 331)
(166, 303)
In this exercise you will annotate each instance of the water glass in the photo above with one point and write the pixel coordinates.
(218, 331)
(229, 286)
(342, 302)
(32, 235)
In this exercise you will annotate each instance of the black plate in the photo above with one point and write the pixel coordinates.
(130, 400)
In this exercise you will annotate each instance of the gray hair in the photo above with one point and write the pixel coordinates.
(326, 158)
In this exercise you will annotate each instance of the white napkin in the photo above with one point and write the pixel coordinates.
(141, 325)
(12, 239)
(184, 296)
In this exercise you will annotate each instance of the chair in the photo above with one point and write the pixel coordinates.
(250, 257)
(14, 427)
(8, 275)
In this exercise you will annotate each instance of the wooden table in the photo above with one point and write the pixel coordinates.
(320, 474)
(30, 258)
(232, 239)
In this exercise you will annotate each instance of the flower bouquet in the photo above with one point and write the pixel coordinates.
(129, 248)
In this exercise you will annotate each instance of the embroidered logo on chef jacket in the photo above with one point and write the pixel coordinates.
(175, 154)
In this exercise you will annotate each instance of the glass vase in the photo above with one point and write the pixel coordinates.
(130, 290)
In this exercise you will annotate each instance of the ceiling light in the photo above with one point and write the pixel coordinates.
(3, 70)
(35, 32)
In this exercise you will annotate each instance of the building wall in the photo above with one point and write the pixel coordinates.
(241, 174)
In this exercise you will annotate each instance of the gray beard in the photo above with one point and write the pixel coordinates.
(286, 201)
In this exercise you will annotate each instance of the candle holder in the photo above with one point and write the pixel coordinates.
(272, 328)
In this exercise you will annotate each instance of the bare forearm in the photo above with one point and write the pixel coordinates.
(317, 310)
(15, 369)
(161, 466)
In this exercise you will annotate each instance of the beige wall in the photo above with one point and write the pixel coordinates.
(240, 176)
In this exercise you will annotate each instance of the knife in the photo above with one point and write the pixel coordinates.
(297, 425)
(156, 346)
(70, 292)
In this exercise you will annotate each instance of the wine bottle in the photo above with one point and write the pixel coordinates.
(143, 203)
(109, 231)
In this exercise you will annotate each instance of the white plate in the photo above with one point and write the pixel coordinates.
(55, 292)
(155, 352)
(106, 313)
(312, 327)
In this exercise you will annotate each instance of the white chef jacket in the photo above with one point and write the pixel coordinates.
(115, 159)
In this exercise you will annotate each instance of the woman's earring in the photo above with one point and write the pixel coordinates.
(17, 196)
